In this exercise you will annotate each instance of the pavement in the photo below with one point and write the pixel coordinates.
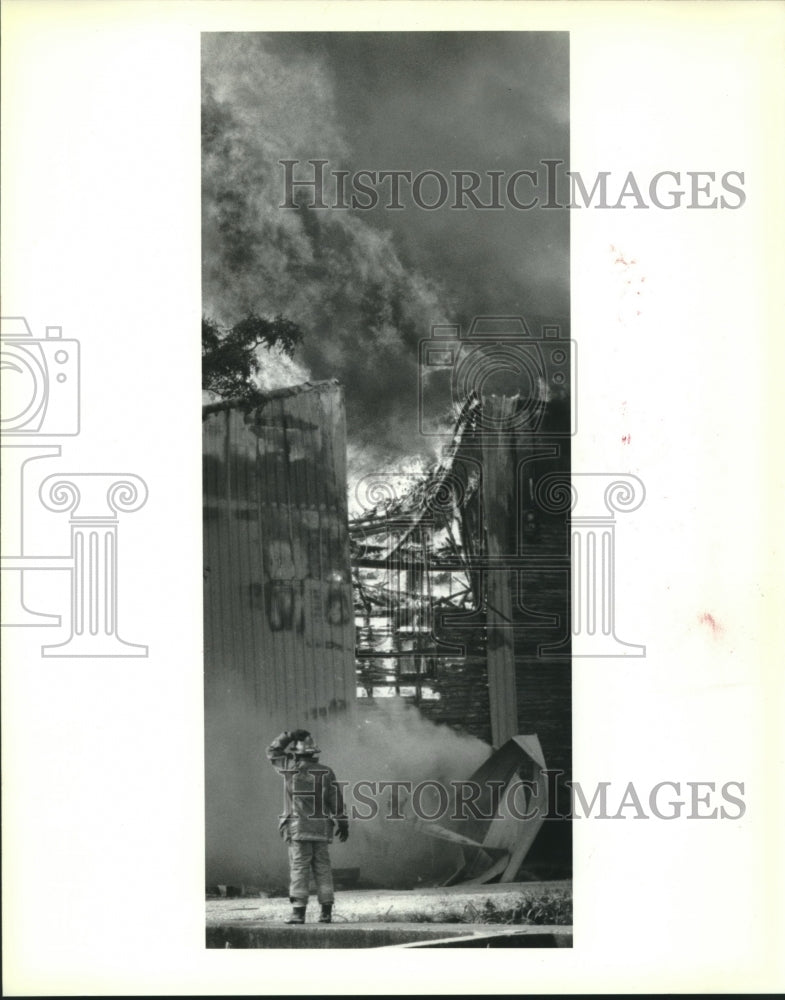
(430, 917)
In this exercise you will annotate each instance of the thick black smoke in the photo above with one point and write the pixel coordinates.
(367, 287)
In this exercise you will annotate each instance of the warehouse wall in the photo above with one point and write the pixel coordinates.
(278, 613)
(279, 622)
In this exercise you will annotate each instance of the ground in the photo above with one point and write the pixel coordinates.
(366, 918)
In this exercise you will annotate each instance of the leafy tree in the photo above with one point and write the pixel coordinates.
(230, 359)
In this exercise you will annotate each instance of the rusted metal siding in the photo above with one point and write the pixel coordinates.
(279, 622)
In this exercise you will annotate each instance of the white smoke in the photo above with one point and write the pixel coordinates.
(388, 741)
(362, 309)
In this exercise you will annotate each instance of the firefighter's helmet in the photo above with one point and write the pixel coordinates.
(305, 747)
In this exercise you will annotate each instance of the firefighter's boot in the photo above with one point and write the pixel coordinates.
(326, 916)
(298, 915)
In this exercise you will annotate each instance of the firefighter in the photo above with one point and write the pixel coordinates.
(313, 803)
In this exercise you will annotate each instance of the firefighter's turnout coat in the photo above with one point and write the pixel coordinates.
(312, 796)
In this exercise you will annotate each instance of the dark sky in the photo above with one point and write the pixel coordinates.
(367, 285)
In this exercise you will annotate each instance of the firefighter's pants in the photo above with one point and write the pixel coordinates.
(306, 856)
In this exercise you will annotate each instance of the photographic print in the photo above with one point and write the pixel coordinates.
(430, 598)
(388, 371)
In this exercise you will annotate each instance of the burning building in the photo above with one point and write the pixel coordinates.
(462, 580)
(449, 591)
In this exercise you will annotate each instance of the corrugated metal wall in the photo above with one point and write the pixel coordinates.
(279, 621)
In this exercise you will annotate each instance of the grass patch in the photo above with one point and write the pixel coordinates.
(549, 907)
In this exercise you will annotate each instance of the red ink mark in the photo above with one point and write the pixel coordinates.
(621, 259)
(714, 625)
(626, 438)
